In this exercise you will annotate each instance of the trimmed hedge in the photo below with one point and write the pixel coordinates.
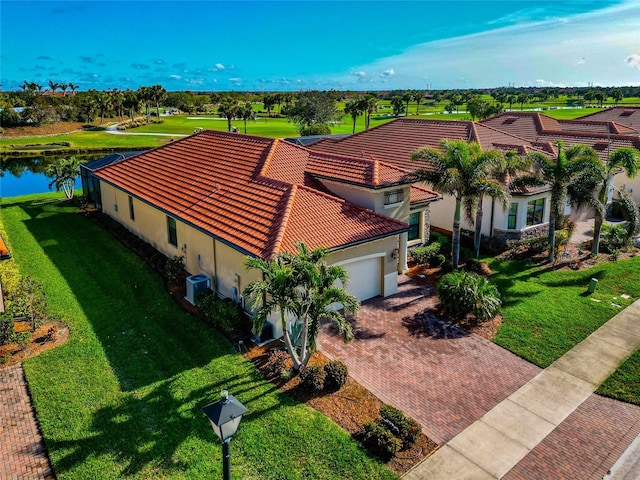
(336, 374)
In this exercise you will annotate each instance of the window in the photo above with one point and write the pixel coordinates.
(173, 233)
(132, 214)
(535, 211)
(395, 196)
(414, 225)
(513, 216)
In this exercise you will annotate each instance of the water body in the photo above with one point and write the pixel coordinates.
(25, 176)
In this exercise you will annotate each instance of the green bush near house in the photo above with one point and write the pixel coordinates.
(423, 255)
(462, 293)
(408, 428)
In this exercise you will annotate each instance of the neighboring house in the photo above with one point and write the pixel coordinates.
(216, 197)
(393, 143)
(605, 131)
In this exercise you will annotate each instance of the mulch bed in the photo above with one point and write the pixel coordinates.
(52, 334)
(350, 407)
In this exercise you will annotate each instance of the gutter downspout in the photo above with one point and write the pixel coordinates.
(493, 208)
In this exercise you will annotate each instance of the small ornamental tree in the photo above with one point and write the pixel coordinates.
(29, 300)
(64, 173)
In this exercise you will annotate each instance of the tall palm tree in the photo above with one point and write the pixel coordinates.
(462, 170)
(246, 112)
(229, 109)
(145, 95)
(370, 105)
(73, 87)
(406, 98)
(158, 94)
(302, 287)
(355, 109)
(131, 102)
(53, 86)
(569, 176)
(626, 159)
(397, 103)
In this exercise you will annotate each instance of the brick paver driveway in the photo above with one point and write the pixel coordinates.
(445, 382)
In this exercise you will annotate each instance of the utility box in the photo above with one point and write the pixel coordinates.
(195, 285)
(592, 285)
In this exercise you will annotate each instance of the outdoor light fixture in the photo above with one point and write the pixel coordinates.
(225, 416)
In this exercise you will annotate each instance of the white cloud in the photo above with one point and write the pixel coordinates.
(633, 61)
(555, 50)
(175, 77)
(360, 73)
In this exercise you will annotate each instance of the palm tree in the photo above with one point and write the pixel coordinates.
(418, 96)
(354, 108)
(617, 95)
(229, 109)
(53, 86)
(246, 112)
(158, 94)
(146, 96)
(370, 105)
(462, 170)
(103, 103)
(268, 101)
(406, 98)
(627, 159)
(522, 99)
(73, 88)
(569, 177)
(301, 287)
(131, 102)
(64, 87)
(64, 173)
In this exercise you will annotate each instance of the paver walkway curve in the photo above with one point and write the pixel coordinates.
(526, 435)
(22, 452)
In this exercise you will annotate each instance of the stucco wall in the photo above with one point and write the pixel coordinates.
(631, 186)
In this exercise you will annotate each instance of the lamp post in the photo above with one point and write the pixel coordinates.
(225, 416)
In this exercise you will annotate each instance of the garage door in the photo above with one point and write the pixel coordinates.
(365, 277)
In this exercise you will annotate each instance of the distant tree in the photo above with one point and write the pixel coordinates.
(246, 112)
(370, 105)
(455, 99)
(355, 108)
(313, 107)
(131, 103)
(158, 94)
(269, 101)
(145, 95)
(64, 173)
(418, 96)
(397, 103)
(73, 88)
(522, 99)
(64, 87)
(228, 108)
(406, 98)
(103, 104)
(617, 95)
(601, 97)
(53, 86)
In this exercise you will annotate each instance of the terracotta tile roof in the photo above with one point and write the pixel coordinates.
(420, 194)
(543, 132)
(393, 142)
(248, 191)
(627, 116)
(362, 171)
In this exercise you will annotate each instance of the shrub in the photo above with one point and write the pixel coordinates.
(478, 266)
(408, 430)
(315, 129)
(614, 237)
(422, 255)
(335, 375)
(174, 268)
(531, 246)
(225, 316)
(6, 328)
(312, 378)
(437, 261)
(276, 363)
(380, 440)
(29, 300)
(22, 338)
(462, 293)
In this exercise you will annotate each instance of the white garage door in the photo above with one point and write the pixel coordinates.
(365, 277)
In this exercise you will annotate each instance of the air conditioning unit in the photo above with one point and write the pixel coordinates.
(195, 285)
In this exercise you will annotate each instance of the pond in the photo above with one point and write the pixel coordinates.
(24, 176)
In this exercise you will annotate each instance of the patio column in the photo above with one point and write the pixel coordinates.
(402, 253)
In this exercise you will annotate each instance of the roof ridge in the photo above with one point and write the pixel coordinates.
(284, 220)
(267, 160)
(376, 172)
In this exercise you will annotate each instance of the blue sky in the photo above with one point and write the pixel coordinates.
(292, 45)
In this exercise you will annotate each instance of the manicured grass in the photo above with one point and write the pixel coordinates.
(624, 383)
(122, 397)
(546, 312)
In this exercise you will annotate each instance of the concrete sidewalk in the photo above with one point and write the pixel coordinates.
(493, 445)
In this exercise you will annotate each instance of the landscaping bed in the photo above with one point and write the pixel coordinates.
(350, 407)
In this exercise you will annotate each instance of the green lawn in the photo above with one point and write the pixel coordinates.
(546, 312)
(122, 397)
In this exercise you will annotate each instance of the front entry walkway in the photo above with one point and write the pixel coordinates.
(444, 379)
